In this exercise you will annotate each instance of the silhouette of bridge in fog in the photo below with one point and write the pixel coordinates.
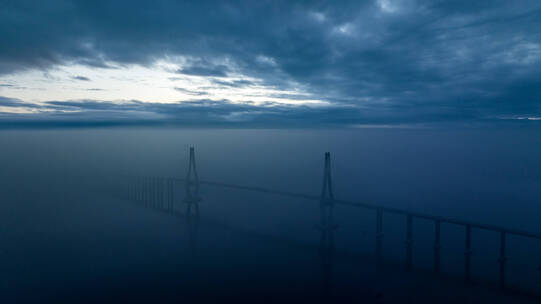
(159, 192)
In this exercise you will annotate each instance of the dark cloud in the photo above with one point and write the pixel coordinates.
(82, 78)
(9, 102)
(419, 60)
(202, 112)
(191, 92)
(234, 83)
(224, 113)
(200, 70)
(16, 103)
(92, 105)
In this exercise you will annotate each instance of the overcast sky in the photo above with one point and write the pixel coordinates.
(388, 62)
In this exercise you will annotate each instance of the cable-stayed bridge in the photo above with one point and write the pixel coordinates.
(161, 193)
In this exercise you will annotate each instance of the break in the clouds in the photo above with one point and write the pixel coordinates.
(349, 62)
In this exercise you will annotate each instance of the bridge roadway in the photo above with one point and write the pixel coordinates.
(389, 282)
(372, 207)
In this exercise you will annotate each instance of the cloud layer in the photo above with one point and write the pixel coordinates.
(384, 60)
(202, 112)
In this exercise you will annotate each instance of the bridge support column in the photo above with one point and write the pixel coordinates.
(437, 245)
(502, 260)
(467, 255)
(169, 194)
(327, 227)
(379, 235)
(146, 183)
(409, 242)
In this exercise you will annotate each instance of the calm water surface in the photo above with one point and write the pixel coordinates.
(69, 235)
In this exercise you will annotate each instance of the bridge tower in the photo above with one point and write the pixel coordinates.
(327, 198)
(327, 227)
(191, 197)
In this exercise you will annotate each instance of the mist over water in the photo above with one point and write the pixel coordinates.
(68, 234)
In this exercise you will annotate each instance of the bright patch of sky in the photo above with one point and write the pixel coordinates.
(160, 82)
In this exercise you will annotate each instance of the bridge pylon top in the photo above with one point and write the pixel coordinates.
(192, 185)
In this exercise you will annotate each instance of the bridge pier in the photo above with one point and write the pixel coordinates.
(326, 204)
(467, 255)
(502, 259)
(379, 235)
(327, 228)
(437, 245)
(170, 199)
(193, 229)
(409, 242)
